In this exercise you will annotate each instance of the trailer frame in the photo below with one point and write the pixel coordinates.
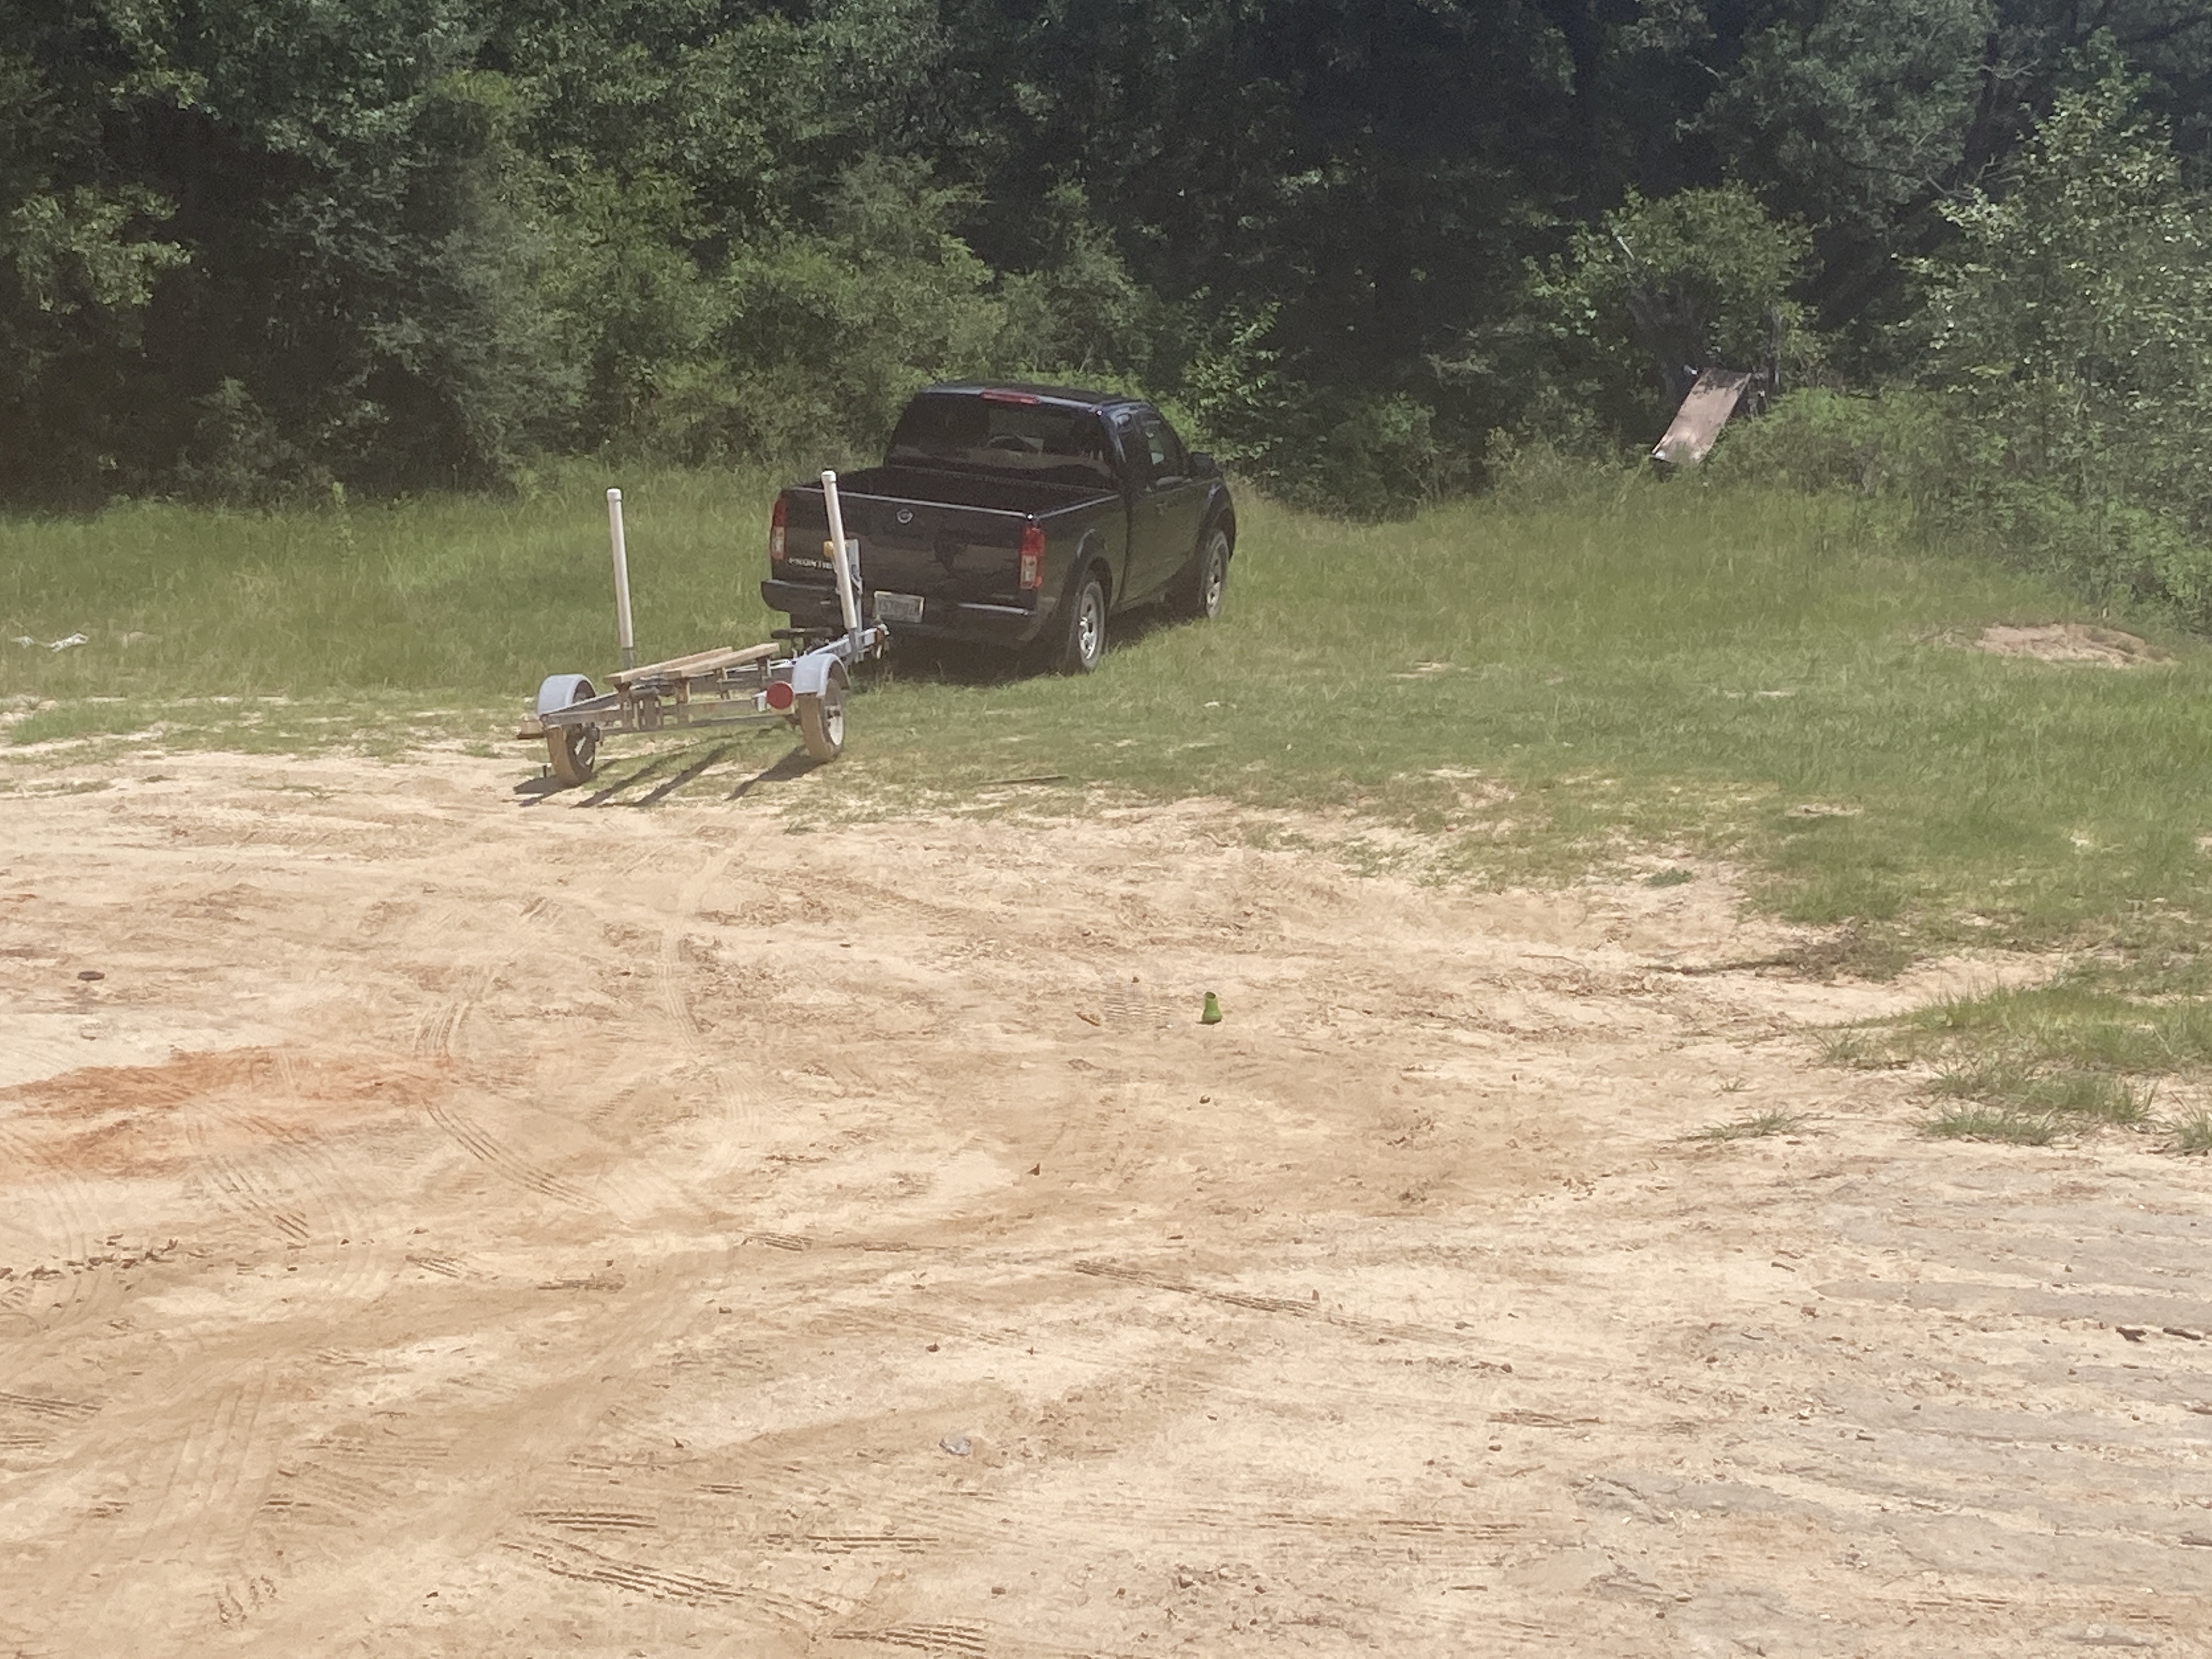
(799, 678)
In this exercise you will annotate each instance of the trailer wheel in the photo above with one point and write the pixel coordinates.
(572, 751)
(822, 717)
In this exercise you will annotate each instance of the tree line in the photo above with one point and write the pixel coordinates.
(1372, 250)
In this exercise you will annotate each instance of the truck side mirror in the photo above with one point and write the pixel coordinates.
(1203, 465)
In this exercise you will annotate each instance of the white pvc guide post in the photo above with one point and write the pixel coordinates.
(839, 560)
(623, 632)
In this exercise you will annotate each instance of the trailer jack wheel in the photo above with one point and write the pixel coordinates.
(822, 717)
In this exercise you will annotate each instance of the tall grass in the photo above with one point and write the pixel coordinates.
(454, 598)
(1770, 677)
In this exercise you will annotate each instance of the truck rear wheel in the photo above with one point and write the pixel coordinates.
(1204, 588)
(1081, 642)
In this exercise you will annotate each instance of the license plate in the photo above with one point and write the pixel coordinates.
(898, 607)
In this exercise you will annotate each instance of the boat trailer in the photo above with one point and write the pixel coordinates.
(799, 679)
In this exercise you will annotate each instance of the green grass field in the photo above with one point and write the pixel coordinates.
(1646, 680)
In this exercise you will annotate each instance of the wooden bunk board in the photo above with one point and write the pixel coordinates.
(696, 666)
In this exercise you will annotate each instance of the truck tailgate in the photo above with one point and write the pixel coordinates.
(953, 555)
(954, 551)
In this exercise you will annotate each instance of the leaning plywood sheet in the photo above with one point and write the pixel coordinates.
(1698, 422)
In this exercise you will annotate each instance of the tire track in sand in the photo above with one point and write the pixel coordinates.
(481, 1143)
(738, 1106)
(185, 1549)
(566, 1560)
(246, 1191)
(467, 1465)
(892, 1517)
(441, 1035)
(360, 1250)
(62, 1218)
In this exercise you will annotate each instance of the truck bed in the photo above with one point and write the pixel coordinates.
(951, 539)
(1031, 497)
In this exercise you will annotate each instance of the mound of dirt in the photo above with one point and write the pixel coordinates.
(2068, 642)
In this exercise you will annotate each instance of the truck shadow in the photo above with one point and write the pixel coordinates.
(947, 662)
(792, 767)
(944, 662)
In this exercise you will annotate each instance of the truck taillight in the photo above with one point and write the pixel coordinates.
(776, 520)
(1032, 564)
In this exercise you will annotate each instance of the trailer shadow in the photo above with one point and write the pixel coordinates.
(690, 766)
(668, 787)
(607, 791)
(792, 767)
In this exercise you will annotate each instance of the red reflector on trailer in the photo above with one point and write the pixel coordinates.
(1031, 567)
(778, 694)
(776, 520)
(1010, 397)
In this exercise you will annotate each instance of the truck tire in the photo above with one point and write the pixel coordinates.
(1080, 644)
(1206, 584)
(822, 718)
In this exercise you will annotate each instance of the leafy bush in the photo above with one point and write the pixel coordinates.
(1816, 439)
(2071, 332)
(1363, 454)
(825, 336)
(240, 457)
(1544, 471)
(1658, 290)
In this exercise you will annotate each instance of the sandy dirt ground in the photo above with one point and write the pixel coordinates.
(460, 1222)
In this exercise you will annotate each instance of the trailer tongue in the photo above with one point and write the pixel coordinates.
(800, 680)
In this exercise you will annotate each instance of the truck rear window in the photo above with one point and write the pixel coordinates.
(973, 433)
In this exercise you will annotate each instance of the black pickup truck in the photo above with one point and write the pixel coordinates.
(1018, 516)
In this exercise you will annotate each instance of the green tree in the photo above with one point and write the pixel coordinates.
(1640, 303)
(262, 225)
(2071, 326)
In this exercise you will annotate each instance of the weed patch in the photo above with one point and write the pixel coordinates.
(1992, 1123)
(2069, 1055)
(2067, 1094)
(1749, 1128)
(2131, 1018)
(95, 717)
(2148, 1015)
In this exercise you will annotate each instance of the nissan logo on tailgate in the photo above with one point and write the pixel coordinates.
(906, 515)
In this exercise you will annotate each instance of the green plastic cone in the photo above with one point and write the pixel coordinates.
(1210, 1015)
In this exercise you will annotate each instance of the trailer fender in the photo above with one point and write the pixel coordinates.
(559, 690)
(811, 673)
